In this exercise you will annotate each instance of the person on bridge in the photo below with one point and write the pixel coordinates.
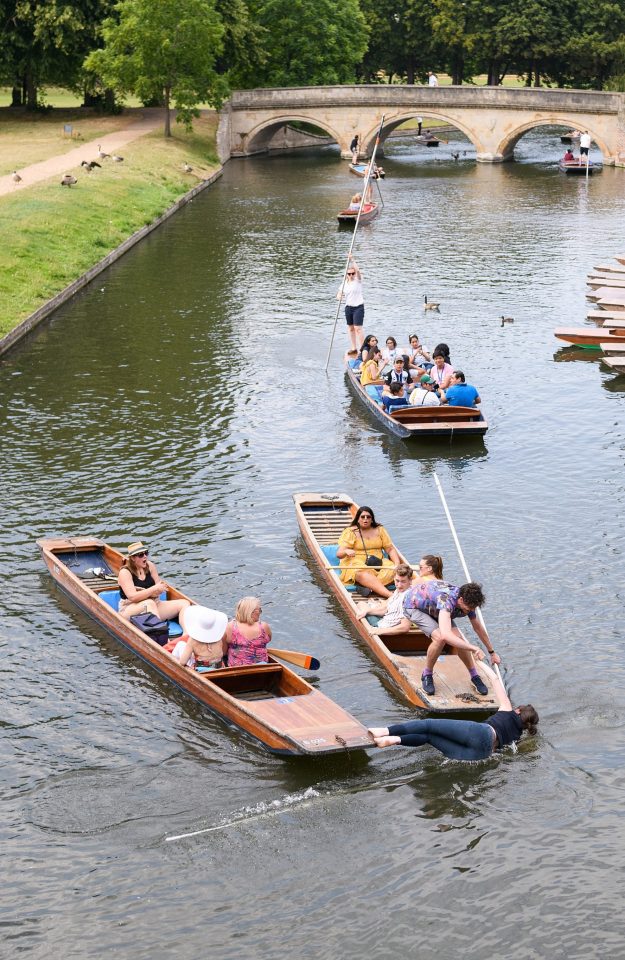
(354, 304)
(432, 79)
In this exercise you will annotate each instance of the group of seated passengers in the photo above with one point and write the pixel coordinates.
(416, 377)
(208, 640)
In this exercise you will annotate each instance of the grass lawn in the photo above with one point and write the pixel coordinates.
(26, 139)
(50, 235)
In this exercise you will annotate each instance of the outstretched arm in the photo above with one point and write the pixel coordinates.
(482, 633)
(500, 690)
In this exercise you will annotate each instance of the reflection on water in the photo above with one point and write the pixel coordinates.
(182, 399)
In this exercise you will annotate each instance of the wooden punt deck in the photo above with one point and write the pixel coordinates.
(592, 339)
(613, 283)
(418, 423)
(268, 701)
(617, 268)
(322, 518)
(614, 349)
(616, 363)
(603, 316)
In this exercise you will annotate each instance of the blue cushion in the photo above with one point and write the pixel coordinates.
(329, 550)
(112, 597)
(374, 392)
(354, 363)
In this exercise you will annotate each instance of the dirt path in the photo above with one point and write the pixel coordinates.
(57, 166)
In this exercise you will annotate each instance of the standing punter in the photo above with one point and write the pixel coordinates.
(354, 304)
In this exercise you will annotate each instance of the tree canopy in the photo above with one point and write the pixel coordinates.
(165, 50)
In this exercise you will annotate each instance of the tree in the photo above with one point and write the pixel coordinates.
(243, 45)
(165, 49)
(310, 43)
(402, 41)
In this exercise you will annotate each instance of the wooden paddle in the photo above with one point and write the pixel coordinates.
(294, 656)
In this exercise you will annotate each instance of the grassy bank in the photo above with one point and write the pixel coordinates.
(29, 139)
(49, 235)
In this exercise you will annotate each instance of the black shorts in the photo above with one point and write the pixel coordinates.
(583, 151)
(355, 316)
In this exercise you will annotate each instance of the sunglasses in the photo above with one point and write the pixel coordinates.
(144, 553)
(351, 273)
(366, 516)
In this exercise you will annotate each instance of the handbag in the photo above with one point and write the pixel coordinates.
(150, 624)
(372, 560)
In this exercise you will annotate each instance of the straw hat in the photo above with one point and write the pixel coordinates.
(205, 625)
(136, 547)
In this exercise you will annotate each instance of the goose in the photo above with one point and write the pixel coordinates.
(187, 168)
(16, 177)
(431, 305)
(102, 155)
(90, 164)
(505, 320)
(116, 158)
(68, 180)
(456, 156)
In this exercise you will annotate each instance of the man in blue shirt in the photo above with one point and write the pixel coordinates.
(433, 607)
(460, 393)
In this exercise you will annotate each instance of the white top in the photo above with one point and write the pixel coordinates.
(424, 398)
(390, 354)
(433, 81)
(394, 609)
(353, 292)
(585, 140)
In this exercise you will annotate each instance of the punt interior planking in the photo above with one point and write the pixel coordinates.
(591, 339)
(322, 518)
(268, 701)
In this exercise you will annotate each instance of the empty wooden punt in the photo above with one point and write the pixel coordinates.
(322, 518)
(268, 701)
(616, 363)
(615, 268)
(614, 349)
(601, 316)
(614, 283)
(585, 337)
(608, 298)
(418, 423)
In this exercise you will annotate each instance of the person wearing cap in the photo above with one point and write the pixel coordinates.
(460, 393)
(140, 588)
(425, 394)
(203, 646)
(247, 635)
(398, 374)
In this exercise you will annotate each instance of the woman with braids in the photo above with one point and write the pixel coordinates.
(464, 739)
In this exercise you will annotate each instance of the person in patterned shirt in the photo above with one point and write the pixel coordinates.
(434, 607)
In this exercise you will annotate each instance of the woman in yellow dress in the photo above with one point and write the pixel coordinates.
(372, 368)
(363, 539)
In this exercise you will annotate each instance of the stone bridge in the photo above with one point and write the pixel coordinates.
(492, 118)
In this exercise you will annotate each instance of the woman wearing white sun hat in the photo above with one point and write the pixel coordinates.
(203, 644)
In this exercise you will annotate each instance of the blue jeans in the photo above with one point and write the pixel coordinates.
(456, 739)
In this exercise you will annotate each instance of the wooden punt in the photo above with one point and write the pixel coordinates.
(614, 349)
(591, 339)
(616, 363)
(616, 268)
(611, 282)
(603, 316)
(610, 300)
(268, 701)
(358, 169)
(426, 141)
(418, 423)
(614, 324)
(369, 213)
(574, 168)
(569, 138)
(620, 258)
(322, 518)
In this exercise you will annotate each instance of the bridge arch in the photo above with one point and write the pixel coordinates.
(259, 138)
(368, 139)
(507, 145)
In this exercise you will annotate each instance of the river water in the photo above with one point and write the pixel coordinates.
(182, 399)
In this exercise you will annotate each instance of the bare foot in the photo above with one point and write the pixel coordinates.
(386, 741)
(377, 732)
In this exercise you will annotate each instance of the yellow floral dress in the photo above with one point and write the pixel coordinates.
(376, 541)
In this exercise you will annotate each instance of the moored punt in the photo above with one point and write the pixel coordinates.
(322, 518)
(614, 349)
(428, 141)
(418, 423)
(616, 363)
(575, 168)
(609, 268)
(620, 258)
(369, 213)
(359, 170)
(612, 282)
(610, 299)
(570, 137)
(592, 339)
(602, 316)
(614, 324)
(268, 700)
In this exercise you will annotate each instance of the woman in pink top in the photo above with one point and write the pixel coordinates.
(442, 371)
(247, 635)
